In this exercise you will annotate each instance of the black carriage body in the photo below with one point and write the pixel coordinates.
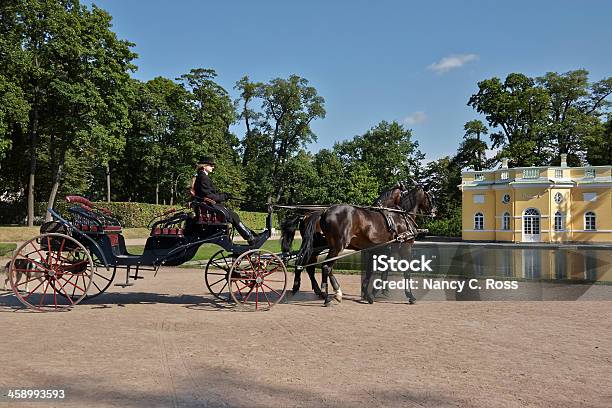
(174, 238)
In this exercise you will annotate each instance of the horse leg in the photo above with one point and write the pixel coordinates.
(297, 280)
(365, 287)
(336, 286)
(313, 279)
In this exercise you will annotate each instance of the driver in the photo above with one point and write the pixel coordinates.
(204, 188)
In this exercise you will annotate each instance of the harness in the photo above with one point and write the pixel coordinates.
(411, 230)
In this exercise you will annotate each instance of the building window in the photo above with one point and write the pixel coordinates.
(558, 173)
(506, 198)
(478, 198)
(506, 221)
(589, 173)
(589, 196)
(478, 177)
(590, 221)
(531, 173)
(558, 221)
(504, 175)
(531, 222)
(478, 221)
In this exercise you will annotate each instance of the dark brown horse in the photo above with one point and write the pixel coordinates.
(350, 227)
(390, 198)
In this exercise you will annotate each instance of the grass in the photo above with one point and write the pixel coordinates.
(207, 250)
(7, 248)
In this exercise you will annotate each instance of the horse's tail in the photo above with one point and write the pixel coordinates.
(308, 238)
(288, 227)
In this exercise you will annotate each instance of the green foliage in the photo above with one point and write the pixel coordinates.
(535, 120)
(276, 133)
(449, 226)
(389, 151)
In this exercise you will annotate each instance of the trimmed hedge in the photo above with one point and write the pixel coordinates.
(138, 215)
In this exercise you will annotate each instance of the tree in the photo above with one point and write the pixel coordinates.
(473, 149)
(598, 145)
(388, 150)
(282, 127)
(535, 120)
(214, 112)
(518, 110)
(71, 70)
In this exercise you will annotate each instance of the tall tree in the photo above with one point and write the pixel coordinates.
(288, 106)
(389, 151)
(518, 110)
(472, 151)
(214, 113)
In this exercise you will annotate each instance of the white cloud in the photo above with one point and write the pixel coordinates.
(451, 62)
(415, 118)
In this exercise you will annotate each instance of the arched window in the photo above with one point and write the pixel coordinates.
(531, 225)
(478, 221)
(506, 221)
(590, 223)
(558, 221)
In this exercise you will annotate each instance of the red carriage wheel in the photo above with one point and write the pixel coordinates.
(216, 273)
(51, 272)
(257, 280)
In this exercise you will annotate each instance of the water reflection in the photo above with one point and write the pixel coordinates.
(558, 263)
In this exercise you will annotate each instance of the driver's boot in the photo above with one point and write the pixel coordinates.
(246, 233)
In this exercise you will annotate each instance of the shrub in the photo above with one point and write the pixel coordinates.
(448, 227)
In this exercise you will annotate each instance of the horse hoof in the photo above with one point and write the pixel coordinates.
(328, 301)
(412, 301)
(338, 296)
(370, 299)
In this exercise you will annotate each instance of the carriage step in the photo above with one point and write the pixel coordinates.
(123, 285)
(136, 277)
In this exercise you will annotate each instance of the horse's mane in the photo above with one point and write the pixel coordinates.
(408, 200)
(383, 196)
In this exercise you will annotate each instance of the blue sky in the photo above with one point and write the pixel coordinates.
(413, 62)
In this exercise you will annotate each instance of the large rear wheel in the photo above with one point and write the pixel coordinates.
(51, 272)
(258, 280)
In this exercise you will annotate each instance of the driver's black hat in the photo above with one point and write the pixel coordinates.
(207, 160)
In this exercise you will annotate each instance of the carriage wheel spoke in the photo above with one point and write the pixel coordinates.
(68, 281)
(102, 276)
(222, 279)
(43, 295)
(26, 282)
(266, 295)
(34, 290)
(248, 294)
(271, 289)
(61, 289)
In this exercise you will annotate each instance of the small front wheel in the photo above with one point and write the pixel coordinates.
(51, 272)
(216, 273)
(257, 280)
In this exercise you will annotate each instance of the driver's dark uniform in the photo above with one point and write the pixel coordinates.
(204, 188)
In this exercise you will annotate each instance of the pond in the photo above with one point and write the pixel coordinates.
(566, 263)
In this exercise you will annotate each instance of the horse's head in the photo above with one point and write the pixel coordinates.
(392, 197)
(418, 200)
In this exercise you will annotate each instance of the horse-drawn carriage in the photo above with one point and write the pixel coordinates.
(77, 257)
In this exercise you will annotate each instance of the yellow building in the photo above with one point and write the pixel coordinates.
(538, 204)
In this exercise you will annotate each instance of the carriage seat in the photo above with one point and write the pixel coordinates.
(94, 220)
(208, 213)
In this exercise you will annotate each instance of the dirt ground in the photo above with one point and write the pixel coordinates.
(165, 343)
